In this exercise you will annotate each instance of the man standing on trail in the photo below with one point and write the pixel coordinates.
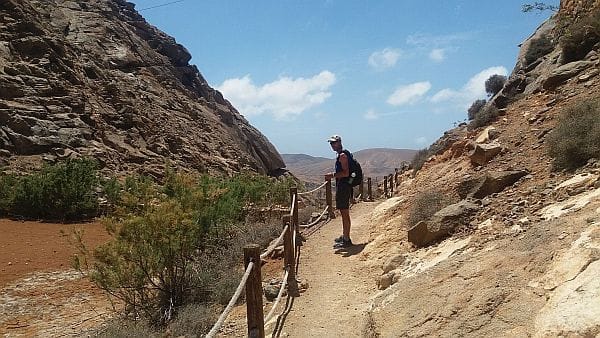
(343, 190)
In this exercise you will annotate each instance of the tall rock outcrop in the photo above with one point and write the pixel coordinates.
(93, 78)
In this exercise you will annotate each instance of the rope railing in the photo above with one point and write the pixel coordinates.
(232, 302)
(311, 191)
(273, 245)
(291, 213)
(315, 221)
(252, 280)
(279, 294)
(294, 245)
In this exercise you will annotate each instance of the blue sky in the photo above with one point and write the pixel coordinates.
(393, 74)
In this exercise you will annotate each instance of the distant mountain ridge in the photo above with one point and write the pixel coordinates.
(374, 162)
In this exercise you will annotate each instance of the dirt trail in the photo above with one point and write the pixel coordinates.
(339, 284)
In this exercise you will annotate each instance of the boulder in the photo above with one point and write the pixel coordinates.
(393, 263)
(487, 135)
(442, 223)
(271, 291)
(483, 153)
(561, 74)
(384, 281)
(491, 182)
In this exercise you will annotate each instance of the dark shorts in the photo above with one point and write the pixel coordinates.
(343, 193)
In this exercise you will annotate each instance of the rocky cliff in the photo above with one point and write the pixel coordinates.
(93, 78)
(518, 254)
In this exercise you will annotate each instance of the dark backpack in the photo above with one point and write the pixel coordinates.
(356, 174)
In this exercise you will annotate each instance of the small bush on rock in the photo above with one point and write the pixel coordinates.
(580, 36)
(576, 137)
(484, 117)
(475, 108)
(538, 48)
(494, 84)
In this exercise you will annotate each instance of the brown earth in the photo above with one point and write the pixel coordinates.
(27, 247)
(40, 294)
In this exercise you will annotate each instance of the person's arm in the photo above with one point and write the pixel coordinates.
(345, 168)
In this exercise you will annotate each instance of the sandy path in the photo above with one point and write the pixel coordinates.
(339, 284)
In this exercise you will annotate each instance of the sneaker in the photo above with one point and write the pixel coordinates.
(343, 244)
(339, 239)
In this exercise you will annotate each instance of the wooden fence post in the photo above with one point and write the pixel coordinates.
(254, 293)
(361, 190)
(391, 180)
(396, 175)
(385, 184)
(288, 249)
(369, 189)
(329, 198)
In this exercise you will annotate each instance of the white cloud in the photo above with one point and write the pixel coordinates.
(437, 55)
(284, 98)
(371, 115)
(384, 59)
(409, 94)
(474, 88)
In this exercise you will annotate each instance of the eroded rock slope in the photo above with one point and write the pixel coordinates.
(523, 259)
(93, 78)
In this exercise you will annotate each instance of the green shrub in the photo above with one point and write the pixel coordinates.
(538, 48)
(475, 108)
(484, 117)
(494, 84)
(64, 191)
(112, 190)
(579, 36)
(7, 188)
(181, 243)
(147, 265)
(576, 137)
(425, 205)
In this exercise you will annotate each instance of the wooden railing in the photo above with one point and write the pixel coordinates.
(290, 236)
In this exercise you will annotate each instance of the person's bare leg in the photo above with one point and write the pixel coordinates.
(345, 222)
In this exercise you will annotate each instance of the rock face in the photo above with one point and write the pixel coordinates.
(443, 223)
(490, 183)
(80, 78)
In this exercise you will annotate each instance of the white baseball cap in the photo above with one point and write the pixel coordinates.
(334, 138)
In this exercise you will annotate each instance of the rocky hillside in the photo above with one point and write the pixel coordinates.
(93, 78)
(515, 252)
(374, 162)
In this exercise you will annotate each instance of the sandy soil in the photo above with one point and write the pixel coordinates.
(339, 284)
(27, 247)
(40, 295)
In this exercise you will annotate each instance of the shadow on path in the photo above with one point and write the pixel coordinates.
(281, 319)
(350, 251)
